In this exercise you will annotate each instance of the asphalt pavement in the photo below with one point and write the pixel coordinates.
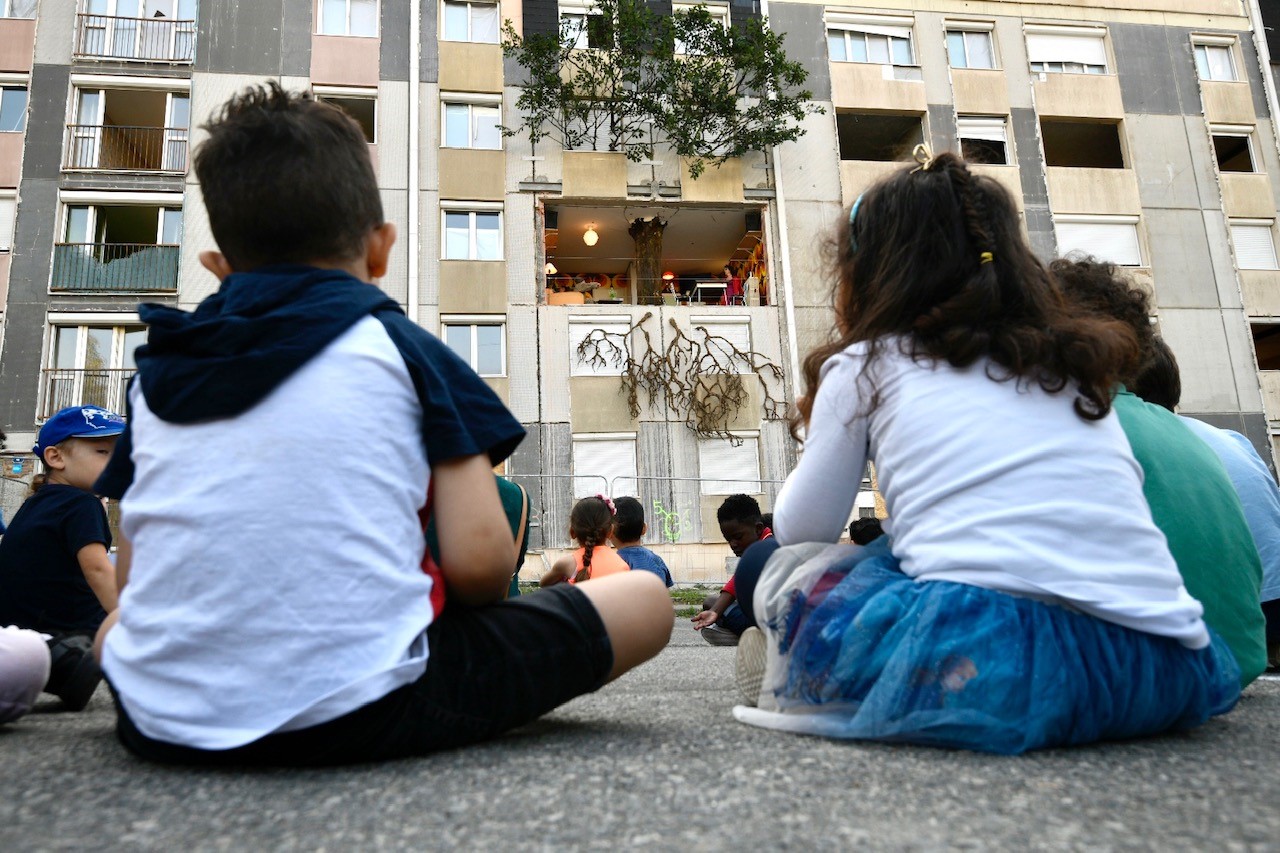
(655, 760)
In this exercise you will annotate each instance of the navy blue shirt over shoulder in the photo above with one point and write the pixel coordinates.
(41, 584)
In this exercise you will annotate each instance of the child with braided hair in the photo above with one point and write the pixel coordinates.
(590, 523)
(1023, 597)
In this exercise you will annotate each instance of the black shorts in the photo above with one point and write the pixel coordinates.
(489, 669)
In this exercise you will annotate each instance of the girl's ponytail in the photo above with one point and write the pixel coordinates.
(589, 544)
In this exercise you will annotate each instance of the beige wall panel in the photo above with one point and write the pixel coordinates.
(501, 386)
(1007, 176)
(1074, 190)
(470, 173)
(473, 287)
(857, 175)
(1227, 102)
(597, 404)
(716, 183)
(57, 25)
(17, 44)
(467, 67)
(10, 158)
(1270, 380)
(553, 332)
(594, 174)
(1085, 95)
(194, 281)
(862, 86)
(980, 90)
(344, 60)
(392, 162)
(1247, 195)
(1261, 291)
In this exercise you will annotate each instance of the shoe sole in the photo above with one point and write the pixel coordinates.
(749, 666)
(81, 684)
(719, 637)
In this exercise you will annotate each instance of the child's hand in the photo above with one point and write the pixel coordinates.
(705, 618)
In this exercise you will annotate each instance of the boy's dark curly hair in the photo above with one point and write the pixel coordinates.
(1100, 288)
(286, 179)
(741, 508)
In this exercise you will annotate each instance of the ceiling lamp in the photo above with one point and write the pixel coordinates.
(590, 237)
(668, 276)
(551, 268)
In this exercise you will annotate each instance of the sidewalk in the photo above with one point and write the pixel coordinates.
(655, 760)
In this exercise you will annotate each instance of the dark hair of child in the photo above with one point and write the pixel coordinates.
(628, 524)
(322, 200)
(1101, 288)
(741, 508)
(590, 522)
(936, 254)
(863, 531)
(1160, 382)
(766, 518)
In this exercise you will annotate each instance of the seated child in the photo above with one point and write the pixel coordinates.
(1209, 537)
(628, 529)
(278, 604)
(722, 620)
(1023, 598)
(24, 671)
(55, 573)
(590, 524)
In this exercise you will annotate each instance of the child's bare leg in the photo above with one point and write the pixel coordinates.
(636, 611)
(107, 625)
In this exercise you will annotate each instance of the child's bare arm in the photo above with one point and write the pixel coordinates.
(477, 550)
(100, 574)
(559, 572)
(124, 560)
(712, 616)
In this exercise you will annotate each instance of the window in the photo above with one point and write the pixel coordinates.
(472, 235)
(878, 136)
(472, 126)
(18, 8)
(1233, 149)
(480, 343)
(349, 17)
(587, 30)
(719, 14)
(8, 215)
(477, 22)
(983, 140)
(1067, 50)
(13, 109)
(90, 365)
(726, 469)
(1255, 247)
(736, 336)
(881, 45)
(1082, 144)
(970, 49)
(363, 109)
(1108, 238)
(604, 463)
(1215, 62)
(1266, 344)
(607, 348)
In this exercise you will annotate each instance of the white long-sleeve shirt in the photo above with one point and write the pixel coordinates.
(995, 484)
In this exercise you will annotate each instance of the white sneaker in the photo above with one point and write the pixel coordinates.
(717, 636)
(749, 668)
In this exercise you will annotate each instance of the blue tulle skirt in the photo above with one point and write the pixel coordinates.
(863, 651)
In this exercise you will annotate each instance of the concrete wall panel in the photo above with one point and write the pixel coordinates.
(1012, 49)
(931, 56)
(55, 31)
(473, 287)
(393, 32)
(472, 174)
(243, 38)
(344, 60)
(980, 91)
(1199, 340)
(1162, 160)
(522, 362)
(808, 170)
(1180, 260)
(395, 209)
(597, 404)
(429, 47)
(524, 248)
(942, 128)
(1079, 95)
(194, 281)
(429, 247)
(17, 44)
(805, 40)
(467, 67)
(1155, 68)
(393, 135)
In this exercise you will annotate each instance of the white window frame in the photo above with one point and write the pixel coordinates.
(119, 324)
(1068, 66)
(579, 328)
(709, 484)
(580, 9)
(972, 28)
(587, 488)
(1224, 43)
(718, 12)
(472, 208)
(351, 93)
(1256, 228)
(469, 4)
(1131, 221)
(17, 81)
(346, 30)
(1237, 131)
(867, 26)
(732, 329)
(472, 322)
(991, 128)
(471, 102)
(8, 219)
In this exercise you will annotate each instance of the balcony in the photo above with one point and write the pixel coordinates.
(111, 148)
(70, 387)
(114, 268)
(135, 39)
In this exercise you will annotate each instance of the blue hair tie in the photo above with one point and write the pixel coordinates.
(853, 215)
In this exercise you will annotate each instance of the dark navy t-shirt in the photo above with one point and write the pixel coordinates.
(41, 584)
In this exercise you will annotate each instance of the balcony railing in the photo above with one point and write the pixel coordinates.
(69, 387)
(114, 148)
(114, 267)
(146, 39)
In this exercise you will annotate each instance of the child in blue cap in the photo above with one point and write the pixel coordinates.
(55, 575)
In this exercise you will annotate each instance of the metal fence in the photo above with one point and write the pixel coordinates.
(149, 39)
(109, 147)
(115, 267)
(68, 387)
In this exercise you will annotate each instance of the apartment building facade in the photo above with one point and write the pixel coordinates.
(1141, 135)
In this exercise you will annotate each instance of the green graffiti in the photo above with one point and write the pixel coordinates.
(673, 522)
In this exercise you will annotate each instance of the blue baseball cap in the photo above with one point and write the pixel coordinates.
(77, 422)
